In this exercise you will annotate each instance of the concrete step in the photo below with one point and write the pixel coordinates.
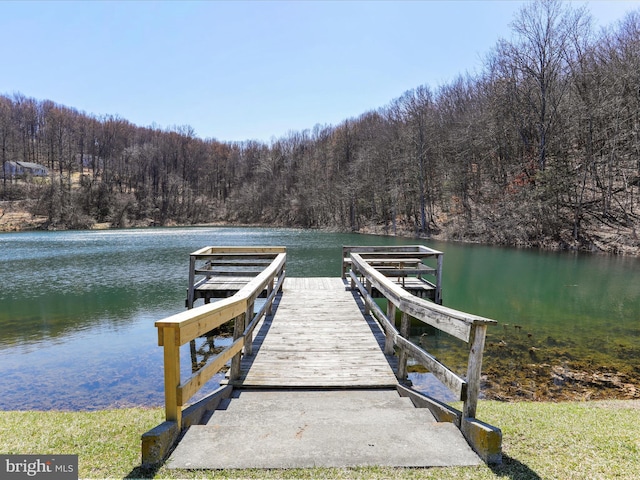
(303, 400)
(321, 428)
(258, 445)
(274, 419)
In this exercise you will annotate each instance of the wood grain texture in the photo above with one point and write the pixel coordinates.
(317, 338)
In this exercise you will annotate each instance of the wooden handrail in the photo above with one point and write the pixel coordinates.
(464, 326)
(181, 328)
(397, 253)
(212, 254)
(242, 251)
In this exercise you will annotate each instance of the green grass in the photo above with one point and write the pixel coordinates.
(590, 440)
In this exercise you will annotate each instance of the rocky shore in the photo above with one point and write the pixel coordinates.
(519, 366)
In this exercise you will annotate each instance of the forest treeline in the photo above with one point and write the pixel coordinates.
(539, 148)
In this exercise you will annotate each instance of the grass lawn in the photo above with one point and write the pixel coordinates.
(589, 440)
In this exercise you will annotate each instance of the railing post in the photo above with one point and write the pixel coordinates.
(238, 329)
(369, 288)
(438, 298)
(474, 369)
(355, 270)
(173, 411)
(248, 341)
(391, 315)
(403, 357)
(269, 291)
(192, 281)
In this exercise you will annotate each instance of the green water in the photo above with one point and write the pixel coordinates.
(568, 295)
(77, 308)
(577, 310)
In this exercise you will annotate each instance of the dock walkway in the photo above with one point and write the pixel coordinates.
(319, 391)
(317, 339)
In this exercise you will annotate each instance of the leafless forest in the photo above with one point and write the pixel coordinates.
(540, 148)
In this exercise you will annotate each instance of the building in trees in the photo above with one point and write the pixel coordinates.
(17, 169)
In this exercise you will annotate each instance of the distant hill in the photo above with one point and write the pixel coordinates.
(540, 149)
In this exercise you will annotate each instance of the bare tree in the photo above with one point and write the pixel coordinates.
(540, 56)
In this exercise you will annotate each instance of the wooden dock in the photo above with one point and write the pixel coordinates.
(317, 377)
(316, 364)
(317, 339)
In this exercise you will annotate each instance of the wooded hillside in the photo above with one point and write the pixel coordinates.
(540, 148)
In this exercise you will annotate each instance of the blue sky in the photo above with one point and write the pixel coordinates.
(247, 70)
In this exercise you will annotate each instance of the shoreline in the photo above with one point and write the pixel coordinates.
(557, 383)
(542, 383)
(22, 221)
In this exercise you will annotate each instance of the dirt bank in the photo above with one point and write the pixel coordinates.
(14, 218)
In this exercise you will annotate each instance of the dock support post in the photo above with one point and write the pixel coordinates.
(474, 369)
(369, 288)
(248, 341)
(391, 315)
(173, 411)
(438, 296)
(238, 329)
(194, 355)
(403, 357)
(269, 290)
(192, 281)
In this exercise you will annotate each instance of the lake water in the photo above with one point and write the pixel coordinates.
(77, 309)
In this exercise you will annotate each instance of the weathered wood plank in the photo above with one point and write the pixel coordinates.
(393, 271)
(416, 250)
(243, 251)
(241, 262)
(223, 283)
(231, 272)
(318, 337)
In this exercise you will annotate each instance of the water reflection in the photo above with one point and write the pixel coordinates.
(74, 372)
(205, 348)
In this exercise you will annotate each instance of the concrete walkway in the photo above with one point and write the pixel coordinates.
(321, 428)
